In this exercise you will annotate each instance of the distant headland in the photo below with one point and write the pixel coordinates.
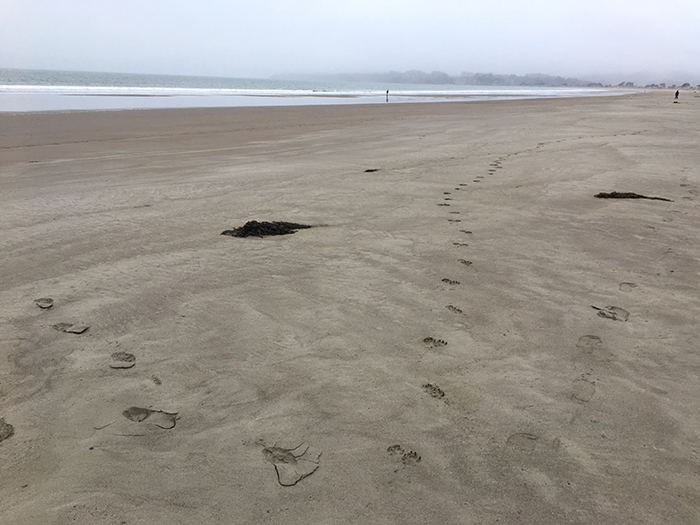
(471, 79)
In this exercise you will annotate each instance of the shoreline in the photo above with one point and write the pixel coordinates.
(23, 102)
(465, 335)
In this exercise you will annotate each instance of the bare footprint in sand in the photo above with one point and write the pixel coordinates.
(465, 262)
(407, 459)
(454, 309)
(293, 464)
(6, 430)
(434, 343)
(70, 328)
(450, 281)
(583, 390)
(589, 343)
(614, 313)
(159, 418)
(627, 287)
(433, 390)
(44, 302)
(523, 441)
(592, 348)
(122, 360)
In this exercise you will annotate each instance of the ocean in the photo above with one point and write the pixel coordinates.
(37, 90)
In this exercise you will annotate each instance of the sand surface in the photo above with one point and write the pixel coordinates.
(428, 353)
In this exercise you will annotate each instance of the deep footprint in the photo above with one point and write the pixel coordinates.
(614, 313)
(6, 430)
(159, 418)
(70, 328)
(293, 464)
(454, 309)
(122, 360)
(450, 281)
(44, 302)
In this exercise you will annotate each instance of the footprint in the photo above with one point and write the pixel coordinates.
(434, 343)
(460, 244)
(523, 441)
(454, 220)
(454, 213)
(371, 170)
(447, 199)
(466, 231)
(583, 390)
(410, 458)
(122, 360)
(293, 464)
(592, 347)
(433, 390)
(450, 281)
(589, 343)
(446, 193)
(70, 328)
(44, 302)
(614, 313)
(443, 204)
(466, 263)
(159, 418)
(627, 287)
(6, 430)
(453, 309)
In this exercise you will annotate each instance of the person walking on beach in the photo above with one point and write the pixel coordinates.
(677, 93)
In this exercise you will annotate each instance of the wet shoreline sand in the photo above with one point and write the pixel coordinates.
(467, 335)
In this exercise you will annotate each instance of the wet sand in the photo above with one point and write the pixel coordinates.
(466, 335)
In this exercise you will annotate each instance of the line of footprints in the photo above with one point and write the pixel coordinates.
(591, 346)
(291, 465)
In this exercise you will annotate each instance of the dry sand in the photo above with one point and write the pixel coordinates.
(431, 347)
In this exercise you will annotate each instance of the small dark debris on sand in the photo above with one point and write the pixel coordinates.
(261, 229)
(371, 170)
(627, 195)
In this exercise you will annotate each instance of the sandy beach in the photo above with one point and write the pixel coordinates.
(466, 335)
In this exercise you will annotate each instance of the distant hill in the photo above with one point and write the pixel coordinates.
(438, 77)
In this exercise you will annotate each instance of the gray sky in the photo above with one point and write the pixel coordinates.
(258, 38)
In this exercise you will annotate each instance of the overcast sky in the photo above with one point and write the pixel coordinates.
(259, 38)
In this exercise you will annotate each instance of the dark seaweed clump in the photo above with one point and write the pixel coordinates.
(623, 195)
(261, 229)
